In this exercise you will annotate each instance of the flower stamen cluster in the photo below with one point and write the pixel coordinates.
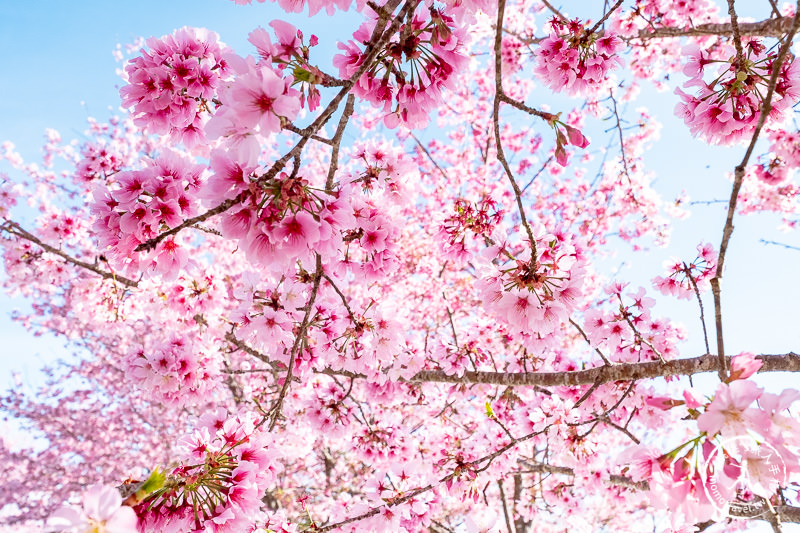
(407, 78)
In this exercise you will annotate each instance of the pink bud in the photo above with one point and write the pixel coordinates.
(576, 138)
(663, 403)
(693, 398)
(561, 155)
(744, 365)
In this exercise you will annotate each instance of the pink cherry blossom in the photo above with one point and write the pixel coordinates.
(101, 512)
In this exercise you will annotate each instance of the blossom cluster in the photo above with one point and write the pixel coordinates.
(227, 463)
(408, 77)
(279, 220)
(177, 371)
(138, 205)
(575, 61)
(743, 454)
(534, 296)
(684, 279)
(172, 84)
(727, 109)
(470, 218)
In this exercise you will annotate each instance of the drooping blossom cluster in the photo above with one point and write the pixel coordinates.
(684, 279)
(226, 466)
(575, 61)
(407, 80)
(172, 85)
(278, 220)
(566, 134)
(140, 204)
(727, 109)
(534, 296)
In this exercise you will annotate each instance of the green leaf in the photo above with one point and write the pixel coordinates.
(153, 483)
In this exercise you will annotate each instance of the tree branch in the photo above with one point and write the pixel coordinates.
(498, 96)
(15, 229)
(788, 362)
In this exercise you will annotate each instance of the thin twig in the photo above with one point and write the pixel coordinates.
(299, 338)
(782, 245)
(430, 157)
(498, 72)
(555, 11)
(688, 273)
(605, 17)
(337, 140)
(342, 297)
(294, 129)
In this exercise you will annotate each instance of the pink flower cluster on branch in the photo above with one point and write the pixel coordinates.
(533, 296)
(226, 466)
(172, 85)
(684, 279)
(408, 78)
(726, 109)
(140, 204)
(576, 61)
(743, 454)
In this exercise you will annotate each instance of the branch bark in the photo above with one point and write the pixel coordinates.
(788, 362)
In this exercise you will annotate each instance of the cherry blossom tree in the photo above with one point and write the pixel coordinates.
(369, 295)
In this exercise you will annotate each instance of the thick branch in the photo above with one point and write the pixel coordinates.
(789, 362)
(766, 28)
